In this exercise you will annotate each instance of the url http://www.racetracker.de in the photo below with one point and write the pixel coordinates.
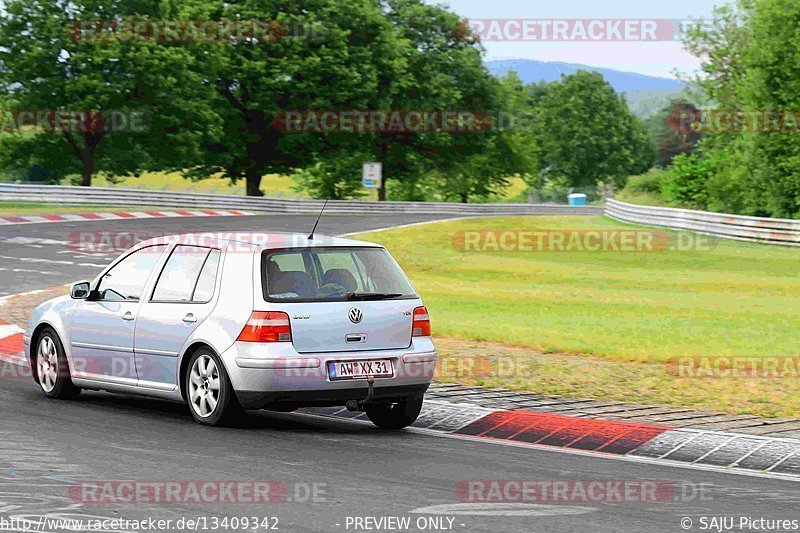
(55, 523)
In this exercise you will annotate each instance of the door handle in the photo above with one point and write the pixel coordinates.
(128, 316)
(189, 318)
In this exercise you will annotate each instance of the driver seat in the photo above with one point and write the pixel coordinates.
(340, 276)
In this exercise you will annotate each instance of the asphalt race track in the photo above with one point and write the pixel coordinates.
(331, 469)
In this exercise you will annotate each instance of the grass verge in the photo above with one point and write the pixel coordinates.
(605, 324)
(273, 185)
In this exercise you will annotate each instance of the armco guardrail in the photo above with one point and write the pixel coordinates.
(767, 230)
(138, 197)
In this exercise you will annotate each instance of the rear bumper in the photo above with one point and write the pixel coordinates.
(285, 400)
(275, 376)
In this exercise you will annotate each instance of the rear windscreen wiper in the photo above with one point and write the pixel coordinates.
(352, 296)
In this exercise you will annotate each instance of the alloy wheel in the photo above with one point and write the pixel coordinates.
(204, 386)
(47, 364)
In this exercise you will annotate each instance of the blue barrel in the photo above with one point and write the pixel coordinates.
(577, 199)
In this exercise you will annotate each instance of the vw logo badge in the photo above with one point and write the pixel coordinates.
(355, 315)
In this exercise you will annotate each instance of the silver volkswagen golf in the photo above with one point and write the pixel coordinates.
(247, 321)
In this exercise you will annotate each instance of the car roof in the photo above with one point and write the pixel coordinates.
(264, 240)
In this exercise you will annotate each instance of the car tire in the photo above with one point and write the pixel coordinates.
(394, 415)
(209, 393)
(51, 367)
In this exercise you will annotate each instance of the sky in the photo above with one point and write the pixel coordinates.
(660, 58)
(652, 58)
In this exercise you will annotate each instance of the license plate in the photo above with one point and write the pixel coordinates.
(379, 368)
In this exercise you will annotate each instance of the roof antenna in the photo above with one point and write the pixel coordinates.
(311, 237)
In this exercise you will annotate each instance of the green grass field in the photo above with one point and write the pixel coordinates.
(273, 185)
(735, 298)
(611, 316)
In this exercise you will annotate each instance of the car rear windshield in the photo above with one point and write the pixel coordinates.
(332, 275)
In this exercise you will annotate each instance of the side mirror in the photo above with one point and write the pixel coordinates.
(80, 291)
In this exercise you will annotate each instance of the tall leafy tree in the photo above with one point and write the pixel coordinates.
(508, 147)
(323, 55)
(588, 135)
(442, 72)
(751, 65)
(145, 107)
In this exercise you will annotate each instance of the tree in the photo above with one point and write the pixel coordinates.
(507, 148)
(133, 104)
(337, 177)
(444, 73)
(587, 134)
(687, 184)
(324, 55)
(441, 72)
(751, 69)
(672, 130)
(721, 46)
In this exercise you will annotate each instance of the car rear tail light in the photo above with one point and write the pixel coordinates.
(267, 326)
(422, 323)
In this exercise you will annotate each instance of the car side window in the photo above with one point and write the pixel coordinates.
(126, 280)
(182, 274)
(204, 290)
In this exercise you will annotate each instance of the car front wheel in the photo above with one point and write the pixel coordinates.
(209, 392)
(394, 415)
(52, 370)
